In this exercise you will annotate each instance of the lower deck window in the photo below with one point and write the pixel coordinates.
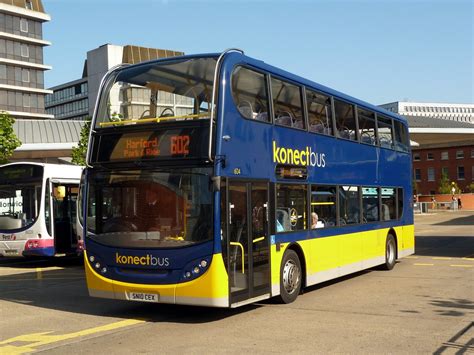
(349, 208)
(323, 206)
(290, 208)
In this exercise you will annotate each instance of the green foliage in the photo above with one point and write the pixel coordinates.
(79, 152)
(446, 187)
(8, 139)
(470, 187)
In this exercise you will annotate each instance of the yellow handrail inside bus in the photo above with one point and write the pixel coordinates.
(243, 256)
(258, 239)
(321, 203)
(151, 119)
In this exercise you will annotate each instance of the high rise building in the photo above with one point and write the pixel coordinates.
(452, 112)
(21, 59)
(75, 100)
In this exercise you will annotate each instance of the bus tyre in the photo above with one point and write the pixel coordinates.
(390, 253)
(290, 277)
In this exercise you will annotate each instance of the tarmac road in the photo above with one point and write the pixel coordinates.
(424, 305)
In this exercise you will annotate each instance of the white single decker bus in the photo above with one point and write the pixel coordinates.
(38, 204)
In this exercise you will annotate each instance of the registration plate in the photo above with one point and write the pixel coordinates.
(11, 252)
(143, 297)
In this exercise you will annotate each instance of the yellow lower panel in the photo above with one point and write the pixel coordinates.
(333, 252)
(212, 284)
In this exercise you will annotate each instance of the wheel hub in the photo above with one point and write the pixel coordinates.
(291, 276)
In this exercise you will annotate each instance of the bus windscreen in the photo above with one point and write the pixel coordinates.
(150, 208)
(173, 90)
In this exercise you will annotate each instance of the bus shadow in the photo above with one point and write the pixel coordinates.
(445, 246)
(65, 290)
(37, 262)
(460, 221)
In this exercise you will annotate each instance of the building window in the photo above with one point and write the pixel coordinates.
(418, 174)
(29, 4)
(431, 174)
(445, 171)
(444, 155)
(25, 75)
(460, 172)
(472, 153)
(25, 51)
(416, 157)
(429, 156)
(24, 25)
(459, 154)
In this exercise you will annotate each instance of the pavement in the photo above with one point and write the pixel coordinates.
(424, 305)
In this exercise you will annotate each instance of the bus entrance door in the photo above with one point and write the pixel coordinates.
(248, 241)
(64, 216)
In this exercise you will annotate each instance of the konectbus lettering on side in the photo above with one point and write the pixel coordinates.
(220, 180)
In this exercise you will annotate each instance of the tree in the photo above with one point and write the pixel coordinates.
(446, 187)
(79, 152)
(8, 139)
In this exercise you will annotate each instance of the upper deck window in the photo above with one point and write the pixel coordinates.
(156, 92)
(319, 112)
(345, 120)
(249, 91)
(367, 126)
(385, 130)
(402, 142)
(287, 104)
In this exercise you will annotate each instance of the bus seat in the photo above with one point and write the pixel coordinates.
(385, 212)
(245, 109)
(298, 123)
(284, 119)
(262, 116)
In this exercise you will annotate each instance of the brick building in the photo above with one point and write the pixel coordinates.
(431, 161)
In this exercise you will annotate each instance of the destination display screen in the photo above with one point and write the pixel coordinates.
(151, 145)
(20, 172)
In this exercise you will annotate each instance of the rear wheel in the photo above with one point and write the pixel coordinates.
(390, 253)
(290, 277)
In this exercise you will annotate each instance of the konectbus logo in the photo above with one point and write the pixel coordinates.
(147, 260)
(304, 157)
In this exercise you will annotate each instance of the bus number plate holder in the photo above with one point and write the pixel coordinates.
(143, 297)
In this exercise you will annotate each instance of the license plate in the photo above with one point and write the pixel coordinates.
(11, 251)
(143, 297)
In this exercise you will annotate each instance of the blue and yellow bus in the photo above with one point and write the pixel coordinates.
(220, 180)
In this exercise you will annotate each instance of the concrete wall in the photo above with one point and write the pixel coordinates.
(467, 200)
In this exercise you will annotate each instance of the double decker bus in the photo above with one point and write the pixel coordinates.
(38, 204)
(220, 180)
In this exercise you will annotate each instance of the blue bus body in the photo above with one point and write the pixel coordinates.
(246, 155)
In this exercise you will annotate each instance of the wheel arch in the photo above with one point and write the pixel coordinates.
(394, 234)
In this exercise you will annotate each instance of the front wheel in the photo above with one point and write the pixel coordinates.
(290, 277)
(390, 253)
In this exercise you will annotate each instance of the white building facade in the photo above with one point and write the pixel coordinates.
(76, 99)
(21, 59)
(452, 112)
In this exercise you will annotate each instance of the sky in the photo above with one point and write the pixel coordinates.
(379, 51)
